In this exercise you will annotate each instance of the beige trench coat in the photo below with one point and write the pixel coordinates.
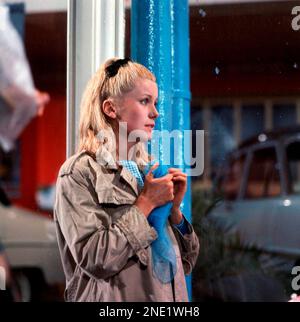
(104, 240)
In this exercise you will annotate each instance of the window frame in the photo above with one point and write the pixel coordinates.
(251, 150)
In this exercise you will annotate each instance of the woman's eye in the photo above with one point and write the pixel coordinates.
(145, 101)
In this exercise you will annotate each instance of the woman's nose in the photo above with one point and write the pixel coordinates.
(154, 113)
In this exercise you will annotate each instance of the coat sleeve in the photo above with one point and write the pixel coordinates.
(189, 246)
(99, 246)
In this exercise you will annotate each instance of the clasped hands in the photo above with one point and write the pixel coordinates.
(159, 191)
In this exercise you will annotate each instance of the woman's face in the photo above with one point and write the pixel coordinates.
(138, 108)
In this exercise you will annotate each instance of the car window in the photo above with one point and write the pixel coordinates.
(230, 183)
(264, 179)
(293, 157)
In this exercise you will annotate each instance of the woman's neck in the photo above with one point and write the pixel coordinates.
(123, 146)
(123, 153)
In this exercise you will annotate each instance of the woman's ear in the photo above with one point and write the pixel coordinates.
(109, 109)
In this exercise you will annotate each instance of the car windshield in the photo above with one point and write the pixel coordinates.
(293, 157)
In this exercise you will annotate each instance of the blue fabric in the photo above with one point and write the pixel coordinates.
(164, 256)
(182, 226)
(133, 168)
(163, 253)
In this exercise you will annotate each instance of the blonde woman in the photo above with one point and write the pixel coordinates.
(104, 197)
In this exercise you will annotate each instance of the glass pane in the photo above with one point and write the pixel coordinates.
(284, 115)
(244, 54)
(252, 120)
(263, 180)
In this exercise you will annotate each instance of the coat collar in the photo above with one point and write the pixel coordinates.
(105, 158)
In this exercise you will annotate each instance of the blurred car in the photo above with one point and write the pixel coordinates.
(259, 186)
(29, 240)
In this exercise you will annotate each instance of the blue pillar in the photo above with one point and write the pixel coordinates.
(181, 92)
(151, 46)
(160, 41)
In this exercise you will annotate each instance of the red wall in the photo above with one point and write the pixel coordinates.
(43, 146)
(43, 142)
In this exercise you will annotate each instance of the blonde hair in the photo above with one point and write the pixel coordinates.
(92, 119)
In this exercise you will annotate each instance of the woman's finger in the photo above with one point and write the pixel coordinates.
(174, 173)
(179, 178)
(179, 174)
(171, 170)
(155, 165)
(167, 177)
